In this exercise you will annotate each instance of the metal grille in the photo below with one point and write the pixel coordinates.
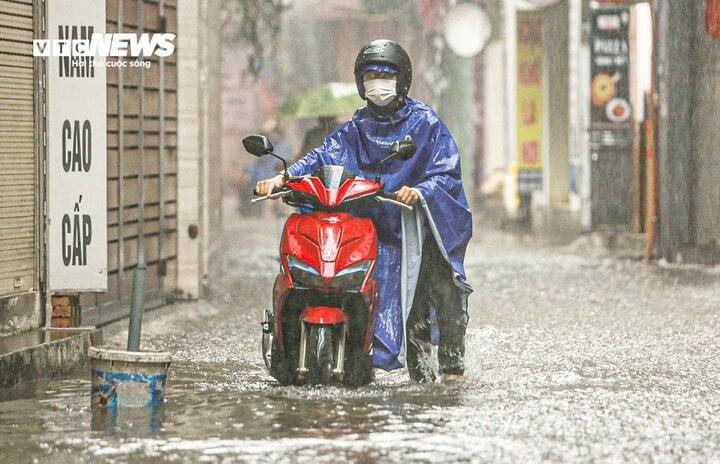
(142, 139)
(18, 178)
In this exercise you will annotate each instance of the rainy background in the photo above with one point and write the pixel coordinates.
(587, 133)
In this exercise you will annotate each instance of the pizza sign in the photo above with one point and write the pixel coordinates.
(610, 51)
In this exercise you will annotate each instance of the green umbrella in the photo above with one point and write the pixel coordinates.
(332, 99)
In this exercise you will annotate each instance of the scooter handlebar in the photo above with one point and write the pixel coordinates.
(275, 191)
(391, 197)
(279, 192)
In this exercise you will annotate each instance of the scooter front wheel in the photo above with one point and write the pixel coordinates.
(320, 355)
(281, 367)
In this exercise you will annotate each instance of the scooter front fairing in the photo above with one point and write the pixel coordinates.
(327, 261)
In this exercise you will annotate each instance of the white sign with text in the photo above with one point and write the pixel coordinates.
(77, 152)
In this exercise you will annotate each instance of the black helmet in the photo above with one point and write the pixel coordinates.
(383, 51)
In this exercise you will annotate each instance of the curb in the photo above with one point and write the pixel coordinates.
(62, 351)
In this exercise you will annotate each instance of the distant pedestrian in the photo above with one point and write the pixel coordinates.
(268, 166)
(315, 136)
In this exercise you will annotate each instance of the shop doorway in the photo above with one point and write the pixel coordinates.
(621, 47)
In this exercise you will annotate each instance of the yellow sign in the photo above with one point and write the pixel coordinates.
(529, 91)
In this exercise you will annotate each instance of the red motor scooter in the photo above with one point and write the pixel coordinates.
(321, 325)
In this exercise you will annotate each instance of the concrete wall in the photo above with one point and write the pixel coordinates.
(211, 130)
(552, 216)
(705, 134)
(189, 153)
(675, 66)
(19, 313)
(199, 140)
(556, 176)
(495, 163)
(579, 109)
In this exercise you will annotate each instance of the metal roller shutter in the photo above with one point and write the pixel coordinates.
(18, 197)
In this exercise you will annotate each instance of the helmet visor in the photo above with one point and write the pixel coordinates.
(379, 68)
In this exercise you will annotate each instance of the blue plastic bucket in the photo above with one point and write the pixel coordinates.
(128, 378)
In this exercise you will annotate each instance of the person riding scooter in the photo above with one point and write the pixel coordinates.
(420, 269)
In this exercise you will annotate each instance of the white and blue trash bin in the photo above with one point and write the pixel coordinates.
(122, 379)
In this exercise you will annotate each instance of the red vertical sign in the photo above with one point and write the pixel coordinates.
(712, 18)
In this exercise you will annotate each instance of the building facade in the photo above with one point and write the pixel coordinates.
(154, 196)
(570, 164)
(21, 189)
(629, 138)
(688, 82)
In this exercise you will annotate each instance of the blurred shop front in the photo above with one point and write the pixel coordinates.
(577, 75)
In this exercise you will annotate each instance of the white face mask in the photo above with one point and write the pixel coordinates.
(381, 91)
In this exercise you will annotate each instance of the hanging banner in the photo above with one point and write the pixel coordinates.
(529, 100)
(712, 18)
(610, 67)
(76, 148)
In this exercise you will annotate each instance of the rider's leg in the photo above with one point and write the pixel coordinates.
(450, 304)
(419, 348)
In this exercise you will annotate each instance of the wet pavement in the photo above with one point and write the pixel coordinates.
(572, 357)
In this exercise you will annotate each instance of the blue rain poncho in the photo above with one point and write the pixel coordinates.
(434, 171)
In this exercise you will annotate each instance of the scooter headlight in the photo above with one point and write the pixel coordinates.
(351, 278)
(303, 274)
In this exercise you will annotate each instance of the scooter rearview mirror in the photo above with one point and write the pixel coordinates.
(403, 149)
(257, 145)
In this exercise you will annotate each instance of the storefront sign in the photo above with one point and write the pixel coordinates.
(529, 99)
(610, 67)
(76, 144)
(712, 18)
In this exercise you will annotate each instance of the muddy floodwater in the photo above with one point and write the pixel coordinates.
(572, 356)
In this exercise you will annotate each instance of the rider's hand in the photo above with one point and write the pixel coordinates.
(265, 187)
(408, 195)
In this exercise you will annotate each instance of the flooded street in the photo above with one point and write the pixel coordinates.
(572, 357)
(563, 152)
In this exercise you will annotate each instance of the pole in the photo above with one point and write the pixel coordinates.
(161, 162)
(651, 152)
(456, 109)
(137, 305)
(121, 162)
(136, 308)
